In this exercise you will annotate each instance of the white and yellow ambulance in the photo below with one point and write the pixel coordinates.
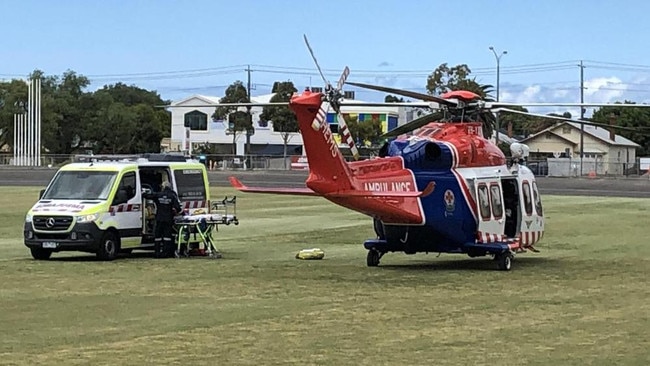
(97, 206)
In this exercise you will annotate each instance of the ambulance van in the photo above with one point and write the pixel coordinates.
(96, 204)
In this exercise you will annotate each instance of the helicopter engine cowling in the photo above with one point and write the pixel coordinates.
(429, 155)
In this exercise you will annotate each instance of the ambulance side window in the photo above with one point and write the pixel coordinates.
(190, 185)
(126, 189)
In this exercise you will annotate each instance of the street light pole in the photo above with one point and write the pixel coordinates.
(498, 58)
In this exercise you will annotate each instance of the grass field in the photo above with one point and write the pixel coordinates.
(584, 300)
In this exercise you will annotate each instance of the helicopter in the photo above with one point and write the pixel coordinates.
(445, 188)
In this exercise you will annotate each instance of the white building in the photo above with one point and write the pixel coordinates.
(192, 122)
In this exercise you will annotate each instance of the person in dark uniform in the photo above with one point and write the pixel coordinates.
(167, 206)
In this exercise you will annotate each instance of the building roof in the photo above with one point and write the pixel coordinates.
(599, 133)
(603, 134)
(204, 98)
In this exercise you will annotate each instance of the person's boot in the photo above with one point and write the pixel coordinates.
(157, 250)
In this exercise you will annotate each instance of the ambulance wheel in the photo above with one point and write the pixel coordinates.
(504, 261)
(40, 253)
(373, 258)
(109, 246)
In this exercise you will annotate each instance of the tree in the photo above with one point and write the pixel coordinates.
(13, 99)
(628, 117)
(235, 93)
(283, 119)
(64, 120)
(366, 131)
(127, 120)
(444, 79)
(393, 99)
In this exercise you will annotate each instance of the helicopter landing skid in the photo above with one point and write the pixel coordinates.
(502, 252)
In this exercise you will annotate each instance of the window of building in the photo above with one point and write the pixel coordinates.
(196, 121)
(548, 136)
(566, 130)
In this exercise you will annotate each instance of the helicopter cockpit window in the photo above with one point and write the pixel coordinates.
(484, 201)
(528, 203)
(538, 200)
(497, 205)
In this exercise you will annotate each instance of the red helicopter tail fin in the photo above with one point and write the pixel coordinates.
(328, 170)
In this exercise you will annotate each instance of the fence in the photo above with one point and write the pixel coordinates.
(554, 167)
(590, 167)
(212, 162)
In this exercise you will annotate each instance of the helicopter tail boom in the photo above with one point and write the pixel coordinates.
(328, 170)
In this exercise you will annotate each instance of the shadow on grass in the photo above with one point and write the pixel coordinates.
(473, 264)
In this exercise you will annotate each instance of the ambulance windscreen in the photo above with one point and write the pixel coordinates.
(80, 185)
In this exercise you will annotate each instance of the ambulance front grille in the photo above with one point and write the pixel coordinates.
(52, 223)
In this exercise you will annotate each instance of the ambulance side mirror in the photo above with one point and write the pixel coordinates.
(41, 193)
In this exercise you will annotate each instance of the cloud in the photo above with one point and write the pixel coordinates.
(597, 90)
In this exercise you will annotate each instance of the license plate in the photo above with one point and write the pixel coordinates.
(49, 244)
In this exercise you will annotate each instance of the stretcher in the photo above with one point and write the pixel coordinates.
(195, 233)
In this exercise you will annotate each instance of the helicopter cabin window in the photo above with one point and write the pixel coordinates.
(528, 203)
(484, 201)
(538, 200)
(497, 205)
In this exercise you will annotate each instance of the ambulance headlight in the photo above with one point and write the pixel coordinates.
(28, 218)
(86, 218)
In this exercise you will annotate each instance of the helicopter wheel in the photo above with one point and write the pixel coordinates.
(504, 261)
(373, 258)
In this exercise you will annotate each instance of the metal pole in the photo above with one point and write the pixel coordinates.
(37, 140)
(498, 58)
(582, 115)
(15, 139)
(30, 120)
(250, 116)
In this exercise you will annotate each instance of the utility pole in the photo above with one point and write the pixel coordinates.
(582, 114)
(250, 116)
(498, 58)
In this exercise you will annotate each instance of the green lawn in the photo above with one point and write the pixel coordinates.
(582, 301)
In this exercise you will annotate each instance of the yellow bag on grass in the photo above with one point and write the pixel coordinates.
(314, 253)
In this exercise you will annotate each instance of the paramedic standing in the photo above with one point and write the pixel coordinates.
(167, 206)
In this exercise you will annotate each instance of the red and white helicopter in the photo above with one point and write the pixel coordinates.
(444, 189)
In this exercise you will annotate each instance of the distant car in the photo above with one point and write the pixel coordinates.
(538, 168)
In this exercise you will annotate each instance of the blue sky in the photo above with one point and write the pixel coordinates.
(160, 44)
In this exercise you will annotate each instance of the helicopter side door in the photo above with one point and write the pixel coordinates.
(491, 220)
(532, 223)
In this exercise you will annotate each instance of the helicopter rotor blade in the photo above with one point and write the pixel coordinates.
(590, 123)
(225, 105)
(506, 104)
(406, 93)
(412, 125)
(315, 61)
